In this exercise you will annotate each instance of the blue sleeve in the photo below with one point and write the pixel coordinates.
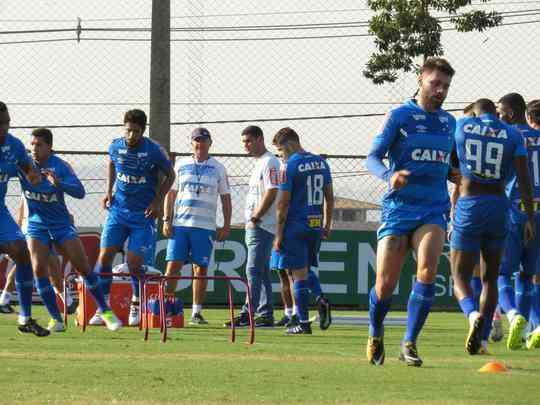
(381, 145)
(520, 149)
(161, 157)
(69, 182)
(287, 183)
(23, 158)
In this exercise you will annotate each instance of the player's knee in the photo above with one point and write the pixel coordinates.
(199, 270)
(426, 274)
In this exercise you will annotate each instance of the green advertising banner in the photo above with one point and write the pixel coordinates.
(346, 270)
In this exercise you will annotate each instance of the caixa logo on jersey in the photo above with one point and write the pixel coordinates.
(430, 155)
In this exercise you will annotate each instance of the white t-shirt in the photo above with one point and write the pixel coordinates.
(198, 185)
(265, 176)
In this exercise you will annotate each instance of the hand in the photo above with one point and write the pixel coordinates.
(454, 175)
(529, 230)
(399, 179)
(167, 229)
(107, 201)
(153, 209)
(33, 177)
(50, 176)
(223, 233)
(325, 233)
(278, 241)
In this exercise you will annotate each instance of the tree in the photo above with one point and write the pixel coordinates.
(406, 29)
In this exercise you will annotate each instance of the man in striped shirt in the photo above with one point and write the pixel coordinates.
(190, 215)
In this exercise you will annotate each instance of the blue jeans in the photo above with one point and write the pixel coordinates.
(259, 248)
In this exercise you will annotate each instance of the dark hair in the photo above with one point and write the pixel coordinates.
(533, 109)
(469, 109)
(285, 135)
(253, 130)
(45, 134)
(436, 63)
(484, 106)
(516, 102)
(136, 116)
(3, 107)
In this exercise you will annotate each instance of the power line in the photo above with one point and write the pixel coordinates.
(231, 103)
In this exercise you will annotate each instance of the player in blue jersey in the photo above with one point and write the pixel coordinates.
(488, 151)
(50, 224)
(134, 197)
(515, 297)
(304, 217)
(417, 138)
(533, 118)
(13, 157)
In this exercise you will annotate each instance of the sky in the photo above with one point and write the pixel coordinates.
(94, 82)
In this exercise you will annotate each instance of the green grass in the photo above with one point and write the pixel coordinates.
(199, 365)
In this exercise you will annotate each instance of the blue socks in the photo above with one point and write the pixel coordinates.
(48, 296)
(534, 317)
(314, 284)
(476, 285)
(93, 284)
(468, 305)
(105, 281)
(524, 292)
(506, 293)
(24, 282)
(301, 298)
(377, 312)
(418, 308)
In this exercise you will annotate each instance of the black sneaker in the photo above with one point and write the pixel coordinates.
(303, 328)
(409, 354)
(325, 316)
(264, 322)
(375, 350)
(31, 326)
(240, 321)
(283, 321)
(293, 321)
(474, 338)
(6, 309)
(197, 319)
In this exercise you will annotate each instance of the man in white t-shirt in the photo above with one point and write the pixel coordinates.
(190, 215)
(260, 219)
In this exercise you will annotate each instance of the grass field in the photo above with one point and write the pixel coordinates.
(199, 365)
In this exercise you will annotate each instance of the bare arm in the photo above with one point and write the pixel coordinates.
(282, 211)
(525, 190)
(166, 183)
(328, 209)
(226, 208)
(268, 199)
(168, 211)
(111, 178)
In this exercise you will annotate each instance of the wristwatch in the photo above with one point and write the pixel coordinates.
(254, 220)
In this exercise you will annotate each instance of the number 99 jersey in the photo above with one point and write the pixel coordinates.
(306, 176)
(486, 148)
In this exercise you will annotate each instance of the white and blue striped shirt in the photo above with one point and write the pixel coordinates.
(198, 185)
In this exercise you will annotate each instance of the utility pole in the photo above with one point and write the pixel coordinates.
(160, 73)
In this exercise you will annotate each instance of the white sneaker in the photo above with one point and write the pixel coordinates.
(134, 317)
(96, 320)
(111, 320)
(56, 326)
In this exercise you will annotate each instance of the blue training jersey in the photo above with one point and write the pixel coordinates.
(46, 204)
(531, 138)
(137, 172)
(12, 156)
(421, 142)
(486, 148)
(306, 176)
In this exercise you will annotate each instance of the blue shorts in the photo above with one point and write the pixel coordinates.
(516, 252)
(396, 222)
(141, 234)
(300, 248)
(480, 222)
(51, 235)
(9, 230)
(190, 244)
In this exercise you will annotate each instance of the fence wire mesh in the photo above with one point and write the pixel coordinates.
(76, 67)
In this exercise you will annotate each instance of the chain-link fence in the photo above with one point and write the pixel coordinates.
(78, 66)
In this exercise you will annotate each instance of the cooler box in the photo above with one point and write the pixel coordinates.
(174, 313)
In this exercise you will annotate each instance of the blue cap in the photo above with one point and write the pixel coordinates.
(200, 133)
